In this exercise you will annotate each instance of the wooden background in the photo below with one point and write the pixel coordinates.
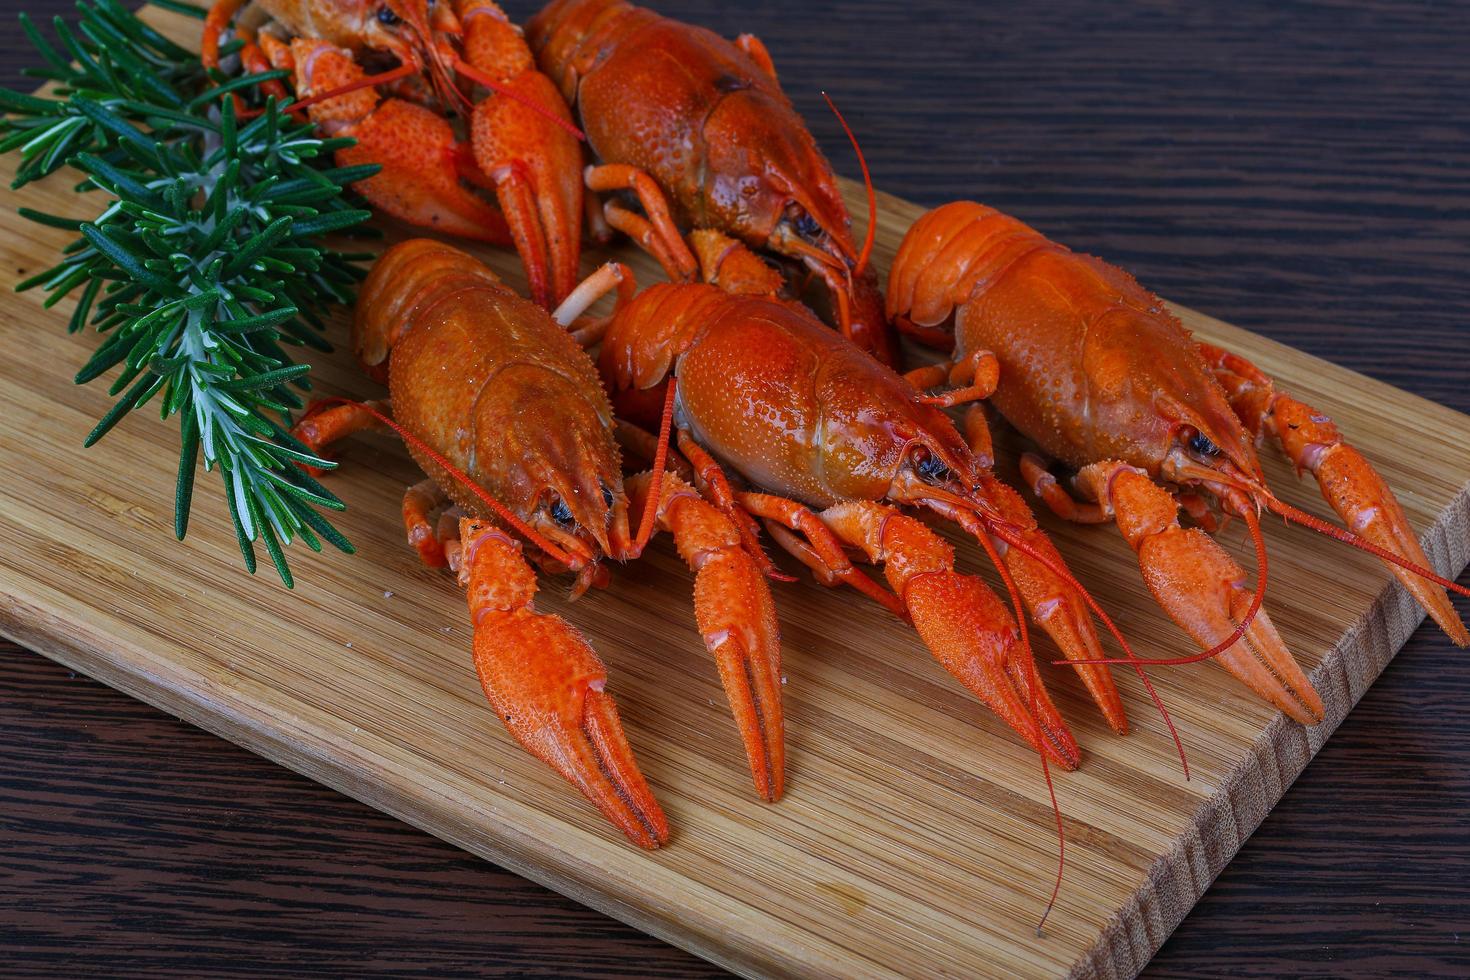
(1300, 172)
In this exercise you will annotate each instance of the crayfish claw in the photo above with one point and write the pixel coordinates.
(970, 632)
(1364, 501)
(963, 623)
(547, 684)
(1202, 589)
(736, 617)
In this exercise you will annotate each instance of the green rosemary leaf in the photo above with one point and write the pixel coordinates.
(43, 47)
(311, 459)
(121, 182)
(50, 220)
(65, 285)
(203, 299)
(342, 176)
(74, 48)
(142, 145)
(28, 104)
(235, 85)
(254, 293)
(257, 245)
(304, 535)
(55, 156)
(249, 322)
(104, 359)
(39, 278)
(125, 259)
(332, 221)
(84, 306)
(278, 557)
(229, 131)
(131, 369)
(267, 380)
(188, 463)
(158, 114)
(299, 492)
(135, 397)
(234, 495)
(179, 7)
(323, 527)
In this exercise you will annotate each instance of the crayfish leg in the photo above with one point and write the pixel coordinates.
(711, 480)
(420, 504)
(324, 423)
(657, 233)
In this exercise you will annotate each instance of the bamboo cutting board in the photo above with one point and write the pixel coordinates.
(916, 834)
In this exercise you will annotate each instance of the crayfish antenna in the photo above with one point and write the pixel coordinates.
(1033, 688)
(660, 460)
(867, 249)
(367, 81)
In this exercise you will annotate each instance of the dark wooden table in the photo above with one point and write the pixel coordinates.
(1303, 171)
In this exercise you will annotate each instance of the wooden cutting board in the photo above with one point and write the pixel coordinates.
(916, 834)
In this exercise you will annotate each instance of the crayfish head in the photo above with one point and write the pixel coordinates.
(426, 31)
(360, 26)
(546, 450)
(580, 504)
(812, 234)
(768, 184)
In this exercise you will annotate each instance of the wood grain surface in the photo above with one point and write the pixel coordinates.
(1270, 253)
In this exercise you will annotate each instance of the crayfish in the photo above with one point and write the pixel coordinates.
(516, 143)
(1096, 371)
(698, 130)
(506, 414)
(833, 443)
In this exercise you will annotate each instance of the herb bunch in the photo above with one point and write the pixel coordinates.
(206, 262)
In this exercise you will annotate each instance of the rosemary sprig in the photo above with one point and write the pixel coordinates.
(206, 261)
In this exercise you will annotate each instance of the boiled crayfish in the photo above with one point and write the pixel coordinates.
(811, 421)
(517, 143)
(1103, 378)
(697, 129)
(506, 414)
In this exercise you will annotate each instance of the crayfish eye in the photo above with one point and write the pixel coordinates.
(561, 513)
(1201, 444)
(607, 497)
(388, 18)
(806, 226)
(932, 468)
